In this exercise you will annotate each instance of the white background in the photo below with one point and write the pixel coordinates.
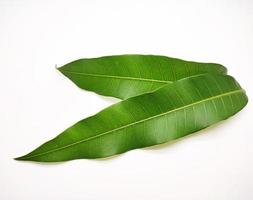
(37, 102)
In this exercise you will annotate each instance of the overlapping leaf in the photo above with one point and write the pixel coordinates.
(126, 76)
(171, 112)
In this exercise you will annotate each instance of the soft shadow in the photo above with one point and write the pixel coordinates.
(108, 158)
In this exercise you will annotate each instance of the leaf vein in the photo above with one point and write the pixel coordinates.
(116, 77)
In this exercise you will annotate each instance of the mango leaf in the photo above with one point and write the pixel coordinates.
(171, 112)
(126, 76)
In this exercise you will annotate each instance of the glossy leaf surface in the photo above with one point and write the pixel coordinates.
(171, 112)
(126, 76)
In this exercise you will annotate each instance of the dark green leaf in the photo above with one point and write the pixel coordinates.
(171, 112)
(126, 76)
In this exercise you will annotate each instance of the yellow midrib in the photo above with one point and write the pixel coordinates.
(117, 77)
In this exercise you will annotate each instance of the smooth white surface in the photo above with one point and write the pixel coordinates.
(37, 102)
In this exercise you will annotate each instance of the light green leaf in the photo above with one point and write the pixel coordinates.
(126, 76)
(175, 110)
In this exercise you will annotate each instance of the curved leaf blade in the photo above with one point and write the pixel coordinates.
(176, 110)
(125, 76)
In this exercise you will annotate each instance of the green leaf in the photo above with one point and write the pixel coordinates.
(126, 76)
(171, 112)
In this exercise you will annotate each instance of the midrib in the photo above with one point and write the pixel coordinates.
(117, 77)
(134, 123)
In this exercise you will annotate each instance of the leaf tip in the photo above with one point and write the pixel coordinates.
(57, 68)
(20, 158)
